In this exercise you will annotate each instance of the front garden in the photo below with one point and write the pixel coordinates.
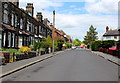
(38, 49)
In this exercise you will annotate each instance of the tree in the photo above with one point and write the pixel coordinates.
(49, 41)
(91, 35)
(77, 42)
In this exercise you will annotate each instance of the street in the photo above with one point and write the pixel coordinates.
(72, 65)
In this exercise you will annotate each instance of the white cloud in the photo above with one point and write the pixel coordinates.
(79, 9)
(72, 6)
(77, 25)
(102, 6)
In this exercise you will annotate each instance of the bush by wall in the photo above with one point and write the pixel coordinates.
(103, 44)
(108, 43)
(96, 45)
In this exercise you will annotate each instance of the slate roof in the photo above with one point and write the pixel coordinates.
(112, 33)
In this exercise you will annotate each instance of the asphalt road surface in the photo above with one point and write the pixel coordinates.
(73, 65)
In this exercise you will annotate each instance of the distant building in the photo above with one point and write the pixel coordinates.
(18, 27)
(60, 33)
(111, 34)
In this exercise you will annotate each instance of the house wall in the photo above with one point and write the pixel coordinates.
(0, 24)
(116, 38)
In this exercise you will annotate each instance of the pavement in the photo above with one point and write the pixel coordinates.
(108, 57)
(18, 65)
(73, 65)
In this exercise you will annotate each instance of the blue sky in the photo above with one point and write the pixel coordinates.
(76, 16)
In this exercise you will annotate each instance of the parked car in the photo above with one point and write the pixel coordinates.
(114, 51)
(82, 46)
(74, 47)
(113, 48)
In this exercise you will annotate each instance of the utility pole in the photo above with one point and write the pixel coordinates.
(53, 31)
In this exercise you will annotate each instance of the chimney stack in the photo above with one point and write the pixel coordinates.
(15, 2)
(107, 29)
(39, 16)
(30, 9)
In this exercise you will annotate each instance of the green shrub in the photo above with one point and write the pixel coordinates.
(96, 45)
(108, 43)
(104, 44)
(68, 45)
(39, 45)
(56, 48)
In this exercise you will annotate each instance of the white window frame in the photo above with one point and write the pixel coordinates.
(20, 41)
(13, 42)
(5, 18)
(12, 19)
(28, 24)
(21, 23)
(4, 39)
(9, 39)
(16, 20)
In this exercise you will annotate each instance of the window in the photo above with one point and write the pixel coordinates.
(40, 29)
(20, 41)
(36, 30)
(12, 20)
(4, 39)
(32, 40)
(13, 39)
(108, 38)
(9, 39)
(5, 6)
(115, 37)
(21, 23)
(28, 26)
(33, 28)
(16, 21)
(5, 16)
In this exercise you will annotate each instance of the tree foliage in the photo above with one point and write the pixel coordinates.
(77, 42)
(48, 41)
(91, 35)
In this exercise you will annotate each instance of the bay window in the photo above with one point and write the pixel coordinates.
(5, 16)
(12, 19)
(16, 21)
(13, 39)
(4, 39)
(21, 23)
(9, 39)
(20, 41)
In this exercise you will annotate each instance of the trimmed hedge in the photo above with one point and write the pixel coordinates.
(108, 43)
(96, 45)
(102, 44)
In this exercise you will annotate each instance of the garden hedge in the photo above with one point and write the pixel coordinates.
(96, 45)
(103, 44)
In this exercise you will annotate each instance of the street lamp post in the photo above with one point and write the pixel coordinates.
(53, 31)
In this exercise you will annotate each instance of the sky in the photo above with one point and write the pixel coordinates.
(75, 17)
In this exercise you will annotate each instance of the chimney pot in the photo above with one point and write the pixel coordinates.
(30, 8)
(39, 16)
(107, 29)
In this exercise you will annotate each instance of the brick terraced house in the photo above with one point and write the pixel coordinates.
(19, 28)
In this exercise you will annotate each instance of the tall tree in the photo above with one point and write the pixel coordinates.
(91, 35)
